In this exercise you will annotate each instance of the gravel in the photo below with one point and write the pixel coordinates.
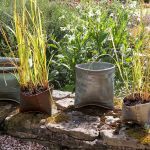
(11, 143)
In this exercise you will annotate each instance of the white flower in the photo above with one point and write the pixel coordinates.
(129, 49)
(61, 17)
(98, 19)
(78, 7)
(98, 12)
(138, 19)
(111, 15)
(63, 28)
(129, 23)
(84, 28)
(122, 6)
(71, 37)
(133, 4)
(139, 54)
(68, 27)
(91, 14)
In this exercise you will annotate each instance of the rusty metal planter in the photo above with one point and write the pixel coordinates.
(40, 102)
(9, 86)
(95, 84)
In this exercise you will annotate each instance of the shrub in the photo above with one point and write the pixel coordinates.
(88, 36)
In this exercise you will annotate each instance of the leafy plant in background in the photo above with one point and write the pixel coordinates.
(136, 78)
(5, 16)
(84, 32)
(88, 35)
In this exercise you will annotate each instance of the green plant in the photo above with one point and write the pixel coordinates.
(31, 46)
(136, 79)
(5, 13)
(88, 36)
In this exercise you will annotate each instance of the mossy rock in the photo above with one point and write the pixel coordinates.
(23, 121)
(118, 103)
(57, 118)
(141, 134)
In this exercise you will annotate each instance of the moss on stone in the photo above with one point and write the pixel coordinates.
(2, 113)
(17, 120)
(140, 134)
(57, 118)
(118, 103)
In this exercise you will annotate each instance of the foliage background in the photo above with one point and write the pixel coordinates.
(83, 32)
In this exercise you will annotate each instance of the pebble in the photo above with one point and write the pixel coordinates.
(11, 143)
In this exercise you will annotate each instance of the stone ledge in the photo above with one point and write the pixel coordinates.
(90, 128)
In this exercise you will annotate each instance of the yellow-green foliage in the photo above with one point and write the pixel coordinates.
(57, 118)
(139, 57)
(31, 40)
(140, 134)
(118, 103)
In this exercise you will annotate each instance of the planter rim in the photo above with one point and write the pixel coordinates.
(8, 69)
(49, 89)
(136, 105)
(111, 66)
(9, 99)
(133, 105)
(6, 59)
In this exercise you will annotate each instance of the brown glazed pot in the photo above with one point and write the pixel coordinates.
(139, 113)
(40, 102)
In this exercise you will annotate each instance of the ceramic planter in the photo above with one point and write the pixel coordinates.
(139, 113)
(95, 84)
(40, 102)
(9, 86)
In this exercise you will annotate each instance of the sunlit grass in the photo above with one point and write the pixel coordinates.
(140, 60)
(142, 135)
(31, 40)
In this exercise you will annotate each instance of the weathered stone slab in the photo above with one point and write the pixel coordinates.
(6, 108)
(60, 94)
(121, 140)
(78, 126)
(64, 103)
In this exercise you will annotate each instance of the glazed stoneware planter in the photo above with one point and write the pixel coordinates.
(9, 86)
(138, 113)
(95, 84)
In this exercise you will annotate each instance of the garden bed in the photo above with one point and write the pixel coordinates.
(70, 128)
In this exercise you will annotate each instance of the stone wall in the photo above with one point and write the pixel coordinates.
(88, 128)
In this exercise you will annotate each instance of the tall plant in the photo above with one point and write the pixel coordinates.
(31, 40)
(136, 79)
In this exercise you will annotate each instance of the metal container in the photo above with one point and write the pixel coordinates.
(139, 113)
(9, 86)
(41, 102)
(95, 84)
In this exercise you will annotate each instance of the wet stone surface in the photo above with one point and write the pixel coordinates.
(91, 128)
